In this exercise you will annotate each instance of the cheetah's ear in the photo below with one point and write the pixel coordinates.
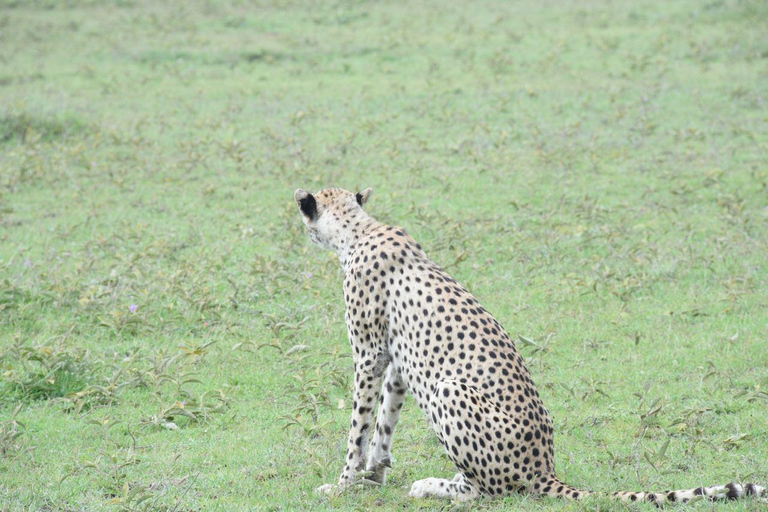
(307, 203)
(362, 197)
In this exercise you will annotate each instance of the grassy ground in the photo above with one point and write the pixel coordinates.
(596, 172)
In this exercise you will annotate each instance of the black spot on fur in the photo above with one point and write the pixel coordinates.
(698, 492)
(733, 491)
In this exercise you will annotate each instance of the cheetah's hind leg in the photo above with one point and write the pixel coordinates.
(497, 452)
(459, 488)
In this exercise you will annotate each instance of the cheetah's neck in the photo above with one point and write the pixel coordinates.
(360, 231)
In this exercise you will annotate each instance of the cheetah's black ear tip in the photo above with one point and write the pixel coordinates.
(307, 203)
(362, 197)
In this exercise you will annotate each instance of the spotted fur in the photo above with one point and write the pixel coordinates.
(414, 329)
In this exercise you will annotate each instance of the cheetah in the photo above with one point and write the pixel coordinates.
(414, 329)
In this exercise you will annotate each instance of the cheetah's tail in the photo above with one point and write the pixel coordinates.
(552, 486)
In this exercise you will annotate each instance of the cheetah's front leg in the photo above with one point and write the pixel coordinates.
(368, 376)
(392, 398)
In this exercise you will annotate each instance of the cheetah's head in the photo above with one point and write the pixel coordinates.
(333, 216)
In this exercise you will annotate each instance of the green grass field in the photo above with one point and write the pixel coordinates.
(596, 172)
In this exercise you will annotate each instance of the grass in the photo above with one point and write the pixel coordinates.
(596, 172)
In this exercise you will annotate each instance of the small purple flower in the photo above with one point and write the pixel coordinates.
(133, 308)
(27, 263)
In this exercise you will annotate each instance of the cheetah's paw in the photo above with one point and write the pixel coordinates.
(361, 480)
(428, 487)
(327, 489)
